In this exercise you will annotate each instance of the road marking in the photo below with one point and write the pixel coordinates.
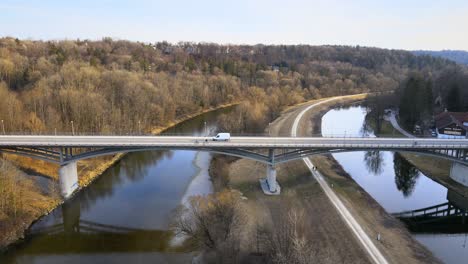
(366, 242)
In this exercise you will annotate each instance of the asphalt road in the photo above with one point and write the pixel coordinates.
(369, 246)
(234, 142)
(394, 122)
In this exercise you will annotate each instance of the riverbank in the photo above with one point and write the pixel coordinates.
(200, 184)
(327, 236)
(88, 171)
(327, 227)
(396, 242)
(436, 169)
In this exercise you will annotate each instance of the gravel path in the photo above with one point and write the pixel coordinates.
(363, 238)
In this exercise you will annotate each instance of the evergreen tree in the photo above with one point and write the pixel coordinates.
(453, 101)
(416, 101)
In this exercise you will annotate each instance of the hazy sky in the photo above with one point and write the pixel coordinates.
(399, 24)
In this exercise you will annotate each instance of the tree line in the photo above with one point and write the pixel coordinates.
(424, 94)
(117, 86)
(122, 86)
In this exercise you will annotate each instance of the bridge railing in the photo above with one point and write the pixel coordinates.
(327, 135)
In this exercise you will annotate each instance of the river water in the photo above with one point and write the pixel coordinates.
(125, 215)
(397, 186)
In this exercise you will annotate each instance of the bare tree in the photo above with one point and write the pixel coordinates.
(288, 242)
(215, 223)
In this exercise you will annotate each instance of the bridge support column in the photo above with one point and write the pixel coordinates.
(271, 178)
(68, 179)
(269, 185)
(459, 173)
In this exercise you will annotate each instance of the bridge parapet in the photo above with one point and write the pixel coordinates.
(268, 150)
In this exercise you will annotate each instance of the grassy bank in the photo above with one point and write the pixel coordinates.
(437, 169)
(41, 203)
(396, 244)
(327, 237)
(327, 230)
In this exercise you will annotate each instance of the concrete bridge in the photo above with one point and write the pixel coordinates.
(67, 150)
(447, 218)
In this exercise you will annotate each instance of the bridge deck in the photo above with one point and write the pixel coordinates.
(234, 142)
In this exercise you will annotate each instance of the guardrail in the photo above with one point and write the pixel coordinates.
(327, 135)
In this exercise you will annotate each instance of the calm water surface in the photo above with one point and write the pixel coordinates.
(397, 185)
(124, 216)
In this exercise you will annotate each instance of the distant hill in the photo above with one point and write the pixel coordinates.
(458, 56)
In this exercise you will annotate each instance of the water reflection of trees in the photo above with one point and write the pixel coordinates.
(366, 130)
(374, 161)
(405, 174)
(132, 167)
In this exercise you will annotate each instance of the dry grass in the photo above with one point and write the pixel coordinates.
(328, 234)
(34, 166)
(397, 243)
(437, 169)
(22, 202)
(39, 203)
(327, 237)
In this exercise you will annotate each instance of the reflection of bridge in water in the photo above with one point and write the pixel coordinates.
(75, 235)
(449, 217)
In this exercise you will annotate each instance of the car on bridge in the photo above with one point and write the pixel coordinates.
(222, 137)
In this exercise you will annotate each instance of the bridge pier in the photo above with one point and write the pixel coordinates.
(269, 185)
(68, 179)
(459, 173)
(271, 178)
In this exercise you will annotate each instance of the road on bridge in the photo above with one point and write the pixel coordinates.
(234, 142)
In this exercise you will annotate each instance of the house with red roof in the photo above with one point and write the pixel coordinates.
(451, 124)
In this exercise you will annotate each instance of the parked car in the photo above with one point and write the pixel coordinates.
(222, 137)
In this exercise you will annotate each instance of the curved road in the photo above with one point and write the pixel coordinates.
(394, 122)
(363, 238)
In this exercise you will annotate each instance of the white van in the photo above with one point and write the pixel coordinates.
(222, 137)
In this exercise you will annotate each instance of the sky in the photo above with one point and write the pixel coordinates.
(395, 24)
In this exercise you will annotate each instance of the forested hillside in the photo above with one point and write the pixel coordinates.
(459, 56)
(423, 94)
(117, 86)
(128, 87)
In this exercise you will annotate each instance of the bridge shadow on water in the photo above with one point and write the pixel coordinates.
(445, 218)
(76, 235)
(450, 217)
(80, 237)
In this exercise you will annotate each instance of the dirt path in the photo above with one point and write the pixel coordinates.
(396, 244)
(348, 218)
(328, 232)
(331, 239)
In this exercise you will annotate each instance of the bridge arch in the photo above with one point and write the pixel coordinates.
(299, 154)
(286, 156)
(68, 178)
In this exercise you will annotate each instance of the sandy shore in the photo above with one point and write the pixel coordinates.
(201, 184)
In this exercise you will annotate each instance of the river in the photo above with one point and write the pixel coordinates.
(125, 215)
(397, 186)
